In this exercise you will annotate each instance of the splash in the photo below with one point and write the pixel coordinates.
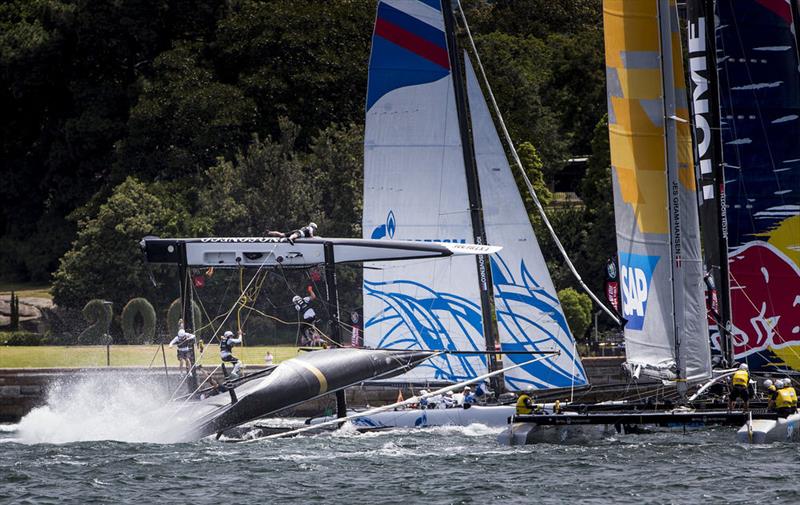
(121, 407)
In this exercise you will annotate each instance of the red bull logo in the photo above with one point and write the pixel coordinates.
(765, 299)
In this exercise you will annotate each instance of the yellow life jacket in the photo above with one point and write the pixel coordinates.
(523, 403)
(786, 398)
(741, 378)
(793, 395)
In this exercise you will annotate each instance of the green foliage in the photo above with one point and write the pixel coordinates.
(577, 309)
(22, 338)
(99, 314)
(184, 119)
(138, 322)
(533, 169)
(107, 247)
(174, 315)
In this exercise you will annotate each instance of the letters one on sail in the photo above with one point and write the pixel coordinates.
(654, 191)
(415, 188)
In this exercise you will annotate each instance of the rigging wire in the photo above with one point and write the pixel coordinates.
(519, 166)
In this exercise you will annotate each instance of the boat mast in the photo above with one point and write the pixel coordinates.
(710, 167)
(671, 153)
(473, 190)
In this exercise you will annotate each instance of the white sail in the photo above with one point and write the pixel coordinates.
(415, 189)
(529, 315)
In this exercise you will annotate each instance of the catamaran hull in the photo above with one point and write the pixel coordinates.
(292, 382)
(492, 416)
(528, 433)
(767, 431)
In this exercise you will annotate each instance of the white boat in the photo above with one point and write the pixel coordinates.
(767, 431)
(494, 416)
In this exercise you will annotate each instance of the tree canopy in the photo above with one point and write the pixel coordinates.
(128, 118)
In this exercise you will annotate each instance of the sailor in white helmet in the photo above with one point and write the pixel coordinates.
(226, 343)
(185, 343)
(302, 305)
(740, 384)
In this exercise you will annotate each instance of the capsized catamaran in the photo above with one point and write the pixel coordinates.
(427, 178)
(305, 377)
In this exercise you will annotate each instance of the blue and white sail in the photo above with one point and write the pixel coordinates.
(415, 188)
(529, 315)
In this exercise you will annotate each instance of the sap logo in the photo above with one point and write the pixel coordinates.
(386, 229)
(636, 273)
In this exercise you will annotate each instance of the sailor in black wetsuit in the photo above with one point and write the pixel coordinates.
(226, 343)
(304, 232)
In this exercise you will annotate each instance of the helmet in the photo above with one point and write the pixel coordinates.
(467, 388)
(449, 393)
(423, 392)
(296, 299)
(313, 225)
(767, 383)
(181, 333)
(743, 366)
(529, 389)
(228, 333)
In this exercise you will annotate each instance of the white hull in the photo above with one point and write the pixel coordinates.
(767, 431)
(492, 416)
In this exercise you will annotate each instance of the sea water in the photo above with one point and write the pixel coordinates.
(99, 451)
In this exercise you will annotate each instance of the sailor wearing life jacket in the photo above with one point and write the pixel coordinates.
(226, 343)
(302, 304)
(786, 399)
(524, 403)
(740, 383)
(185, 343)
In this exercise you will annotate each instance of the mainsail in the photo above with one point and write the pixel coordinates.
(529, 315)
(759, 86)
(654, 192)
(416, 187)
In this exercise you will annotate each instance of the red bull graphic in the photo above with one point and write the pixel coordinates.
(765, 297)
(759, 90)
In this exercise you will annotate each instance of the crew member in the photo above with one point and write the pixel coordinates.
(303, 306)
(739, 387)
(185, 343)
(524, 402)
(226, 344)
(469, 396)
(786, 399)
(304, 232)
(771, 392)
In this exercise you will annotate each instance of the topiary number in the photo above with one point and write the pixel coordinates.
(98, 314)
(140, 311)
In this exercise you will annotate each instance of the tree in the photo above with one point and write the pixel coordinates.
(105, 260)
(184, 120)
(577, 309)
(302, 60)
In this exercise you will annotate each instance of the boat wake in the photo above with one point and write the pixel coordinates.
(120, 407)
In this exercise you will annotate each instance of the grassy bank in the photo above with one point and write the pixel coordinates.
(26, 290)
(124, 355)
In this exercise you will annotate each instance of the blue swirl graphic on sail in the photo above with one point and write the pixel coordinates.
(526, 314)
(418, 323)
